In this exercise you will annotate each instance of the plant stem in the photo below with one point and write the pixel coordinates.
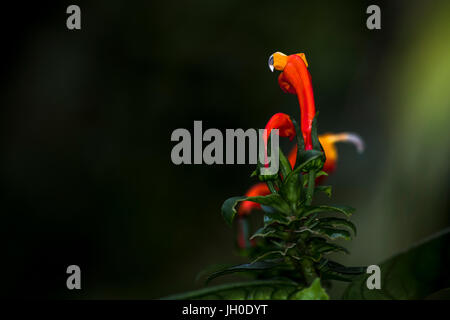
(307, 268)
(310, 190)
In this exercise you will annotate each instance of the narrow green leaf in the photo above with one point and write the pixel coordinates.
(250, 290)
(325, 189)
(263, 233)
(274, 217)
(331, 248)
(254, 266)
(314, 136)
(331, 270)
(337, 222)
(284, 250)
(337, 267)
(332, 234)
(346, 210)
(229, 208)
(300, 142)
(272, 200)
(321, 173)
(332, 275)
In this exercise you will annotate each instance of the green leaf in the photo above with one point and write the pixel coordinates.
(337, 267)
(308, 159)
(337, 222)
(300, 142)
(251, 290)
(346, 210)
(321, 173)
(254, 266)
(314, 292)
(332, 234)
(291, 188)
(325, 189)
(229, 208)
(274, 217)
(210, 270)
(413, 274)
(284, 248)
(263, 233)
(333, 275)
(330, 248)
(272, 200)
(331, 270)
(314, 136)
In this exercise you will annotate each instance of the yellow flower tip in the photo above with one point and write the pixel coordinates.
(302, 55)
(278, 60)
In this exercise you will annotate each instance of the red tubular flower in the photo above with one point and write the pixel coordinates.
(296, 79)
(283, 123)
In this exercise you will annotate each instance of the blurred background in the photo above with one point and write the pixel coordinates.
(87, 117)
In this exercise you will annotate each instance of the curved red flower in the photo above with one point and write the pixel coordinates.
(296, 79)
(283, 123)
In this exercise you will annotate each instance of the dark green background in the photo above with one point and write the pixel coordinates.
(87, 117)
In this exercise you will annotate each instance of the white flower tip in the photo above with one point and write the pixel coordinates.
(356, 140)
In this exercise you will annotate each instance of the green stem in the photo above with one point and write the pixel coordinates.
(308, 270)
(310, 190)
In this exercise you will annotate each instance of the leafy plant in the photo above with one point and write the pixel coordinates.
(289, 255)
